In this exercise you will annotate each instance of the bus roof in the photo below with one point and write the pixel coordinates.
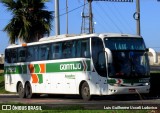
(102, 35)
(65, 37)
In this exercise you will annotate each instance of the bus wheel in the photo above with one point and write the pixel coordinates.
(85, 91)
(28, 89)
(21, 90)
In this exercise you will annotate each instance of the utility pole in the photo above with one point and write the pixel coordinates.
(87, 18)
(57, 23)
(66, 16)
(90, 17)
(138, 17)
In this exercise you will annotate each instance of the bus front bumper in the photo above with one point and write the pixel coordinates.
(112, 90)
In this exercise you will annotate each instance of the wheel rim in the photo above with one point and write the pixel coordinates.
(21, 90)
(86, 91)
(28, 91)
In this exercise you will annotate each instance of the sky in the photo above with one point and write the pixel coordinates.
(109, 17)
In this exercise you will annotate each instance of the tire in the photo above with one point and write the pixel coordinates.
(21, 91)
(28, 91)
(85, 91)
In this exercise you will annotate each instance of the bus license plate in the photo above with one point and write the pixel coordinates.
(132, 90)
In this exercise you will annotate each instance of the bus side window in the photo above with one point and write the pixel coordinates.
(36, 53)
(30, 54)
(13, 55)
(56, 51)
(82, 48)
(44, 52)
(7, 56)
(78, 48)
(21, 54)
(67, 49)
(73, 49)
(85, 48)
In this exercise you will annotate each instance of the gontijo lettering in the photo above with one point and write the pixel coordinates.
(70, 66)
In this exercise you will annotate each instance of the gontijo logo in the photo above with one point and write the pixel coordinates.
(70, 66)
(74, 66)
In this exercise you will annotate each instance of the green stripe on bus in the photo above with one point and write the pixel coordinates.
(40, 77)
(24, 69)
(68, 66)
(16, 69)
(74, 66)
(36, 68)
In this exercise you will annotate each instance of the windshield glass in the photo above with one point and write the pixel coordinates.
(125, 43)
(130, 60)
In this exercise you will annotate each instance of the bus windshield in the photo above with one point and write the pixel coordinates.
(125, 43)
(130, 60)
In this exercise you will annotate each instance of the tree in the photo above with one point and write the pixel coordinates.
(30, 20)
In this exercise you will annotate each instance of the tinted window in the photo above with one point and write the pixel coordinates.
(71, 49)
(32, 53)
(13, 55)
(124, 43)
(7, 56)
(67, 49)
(21, 54)
(44, 52)
(82, 47)
(57, 51)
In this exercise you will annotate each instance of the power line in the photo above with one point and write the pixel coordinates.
(118, 17)
(73, 9)
(124, 19)
(101, 20)
(109, 18)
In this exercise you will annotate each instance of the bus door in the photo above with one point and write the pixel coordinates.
(99, 62)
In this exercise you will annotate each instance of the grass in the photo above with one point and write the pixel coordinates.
(2, 89)
(1, 77)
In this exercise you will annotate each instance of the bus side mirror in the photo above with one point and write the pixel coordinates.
(109, 55)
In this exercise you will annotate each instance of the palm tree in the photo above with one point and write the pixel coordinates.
(30, 20)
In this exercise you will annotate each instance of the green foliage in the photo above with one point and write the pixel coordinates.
(1, 77)
(2, 89)
(30, 20)
(1, 83)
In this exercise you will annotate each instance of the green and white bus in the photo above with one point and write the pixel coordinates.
(86, 65)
